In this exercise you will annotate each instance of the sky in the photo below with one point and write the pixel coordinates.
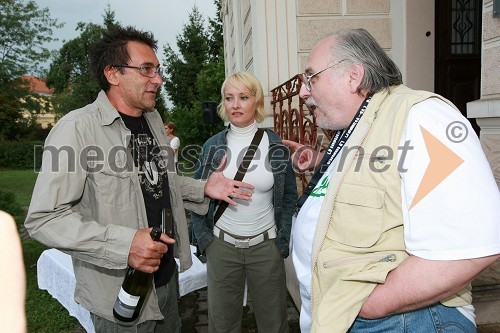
(165, 18)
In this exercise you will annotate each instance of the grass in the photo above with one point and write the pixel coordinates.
(44, 313)
(20, 182)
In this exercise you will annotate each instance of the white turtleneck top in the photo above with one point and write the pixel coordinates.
(256, 215)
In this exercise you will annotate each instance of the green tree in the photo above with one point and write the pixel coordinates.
(195, 76)
(216, 41)
(211, 77)
(69, 74)
(182, 70)
(25, 29)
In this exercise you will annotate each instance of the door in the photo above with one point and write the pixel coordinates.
(458, 52)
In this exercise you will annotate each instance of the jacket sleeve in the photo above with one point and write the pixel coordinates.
(52, 219)
(289, 196)
(193, 194)
(201, 223)
(288, 202)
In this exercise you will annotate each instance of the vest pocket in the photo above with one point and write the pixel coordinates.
(357, 215)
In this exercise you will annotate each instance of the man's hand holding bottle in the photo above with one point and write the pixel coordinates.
(145, 253)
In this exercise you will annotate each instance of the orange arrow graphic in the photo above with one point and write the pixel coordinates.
(442, 162)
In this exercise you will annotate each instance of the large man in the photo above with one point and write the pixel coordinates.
(406, 212)
(107, 177)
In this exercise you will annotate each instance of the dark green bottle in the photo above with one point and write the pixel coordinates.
(134, 290)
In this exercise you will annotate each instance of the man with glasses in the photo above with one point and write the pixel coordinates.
(145, 70)
(108, 177)
(388, 235)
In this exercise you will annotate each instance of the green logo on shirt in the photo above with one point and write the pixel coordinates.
(320, 189)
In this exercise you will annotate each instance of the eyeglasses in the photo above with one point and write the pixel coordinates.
(307, 78)
(148, 71)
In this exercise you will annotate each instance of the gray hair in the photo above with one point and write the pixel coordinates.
(358, 46)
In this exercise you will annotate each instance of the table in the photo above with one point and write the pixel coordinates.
(56, 275)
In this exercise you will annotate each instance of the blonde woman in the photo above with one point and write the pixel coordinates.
(249, 241)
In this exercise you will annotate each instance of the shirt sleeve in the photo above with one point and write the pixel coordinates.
(175, 143)
(451, 203)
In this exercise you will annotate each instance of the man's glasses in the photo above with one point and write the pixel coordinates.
(307, 78)
(148, 71)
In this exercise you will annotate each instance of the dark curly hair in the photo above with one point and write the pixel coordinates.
(111, 49)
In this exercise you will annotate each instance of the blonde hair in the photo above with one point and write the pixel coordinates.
(247, 80)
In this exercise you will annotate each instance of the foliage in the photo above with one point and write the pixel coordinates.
(161, 105)
(12, 122)
(195, 76)
(24, 28)
(19, 108)
(216, 41)
(21, 154)
(69, 74)
(193, 131)
(9, 204)
(210, 79)
(181, 70)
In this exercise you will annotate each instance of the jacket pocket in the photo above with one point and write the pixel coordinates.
(357, 215)
(371, 268)
(344, 283)
(113, 187)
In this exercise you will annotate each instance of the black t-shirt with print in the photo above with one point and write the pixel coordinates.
(154, 183)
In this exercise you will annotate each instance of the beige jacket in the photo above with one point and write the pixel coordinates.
(359, 237)
(88, 202)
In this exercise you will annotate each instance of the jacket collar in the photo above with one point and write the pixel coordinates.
(108, 111)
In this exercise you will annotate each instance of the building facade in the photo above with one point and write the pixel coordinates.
(38, 88)
(451, 47)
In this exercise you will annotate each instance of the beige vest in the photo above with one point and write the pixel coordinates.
(359, 236)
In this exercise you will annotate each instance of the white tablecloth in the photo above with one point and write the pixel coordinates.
(55, 274)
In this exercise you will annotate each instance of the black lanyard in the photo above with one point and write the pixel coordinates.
(337, 143)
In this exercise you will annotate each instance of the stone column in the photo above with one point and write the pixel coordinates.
(486, 287)
(487, 114)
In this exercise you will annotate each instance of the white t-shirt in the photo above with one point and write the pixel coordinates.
(464, 208)
(456, 212)
(303, 229)
(175, 143)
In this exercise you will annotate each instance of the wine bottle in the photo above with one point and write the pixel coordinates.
(134, 290)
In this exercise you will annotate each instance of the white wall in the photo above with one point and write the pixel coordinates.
(413, 50)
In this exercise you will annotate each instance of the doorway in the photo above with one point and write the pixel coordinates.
(458, 52)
